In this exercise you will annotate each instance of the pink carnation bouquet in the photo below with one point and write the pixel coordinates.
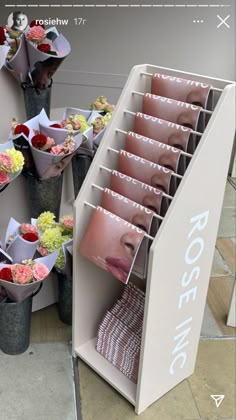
(21, 280)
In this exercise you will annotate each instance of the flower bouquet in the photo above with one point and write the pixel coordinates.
(21, 240)
(59, 236)
(32, 56)
(11, 164)
(21, 280)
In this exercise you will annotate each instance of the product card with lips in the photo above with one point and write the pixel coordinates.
(155, 151)
(177, 112)
(111, 243)
(145, 171)
(164, 131)
(184, 90)
(141, 193)
(137, 215)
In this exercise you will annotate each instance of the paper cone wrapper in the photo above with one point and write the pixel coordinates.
(3, 147)
(3, 53)
(19, 64)
(44, 161)
(19, 249)
(33, 126)
(90, 116)
(19, 292)
(38, 60)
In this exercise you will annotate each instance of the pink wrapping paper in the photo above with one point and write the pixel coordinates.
(164, 131)
(180, 89)
(153, 150)
(177, 112)
(145, 171)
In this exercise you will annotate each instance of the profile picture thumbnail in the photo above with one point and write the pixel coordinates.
(17, 21)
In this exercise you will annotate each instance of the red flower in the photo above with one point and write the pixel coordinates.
(30, 237)
(45, 48)
(39, 141)
(22, 129)
(2, 36)
(36, 23)
(5, 274)
(55, 125)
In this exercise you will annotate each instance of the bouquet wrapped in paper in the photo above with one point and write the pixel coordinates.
(11, 163)
(47, 150)
(55, 236)
(21, 280)
(32, 53)
(21, 240)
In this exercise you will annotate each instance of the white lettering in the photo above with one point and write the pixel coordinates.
(185, 297)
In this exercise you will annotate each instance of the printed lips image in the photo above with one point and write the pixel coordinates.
(111, 243)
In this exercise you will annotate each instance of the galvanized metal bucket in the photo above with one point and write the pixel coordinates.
(80, 167)
(44, 195)
(36, 100)
(15, 322)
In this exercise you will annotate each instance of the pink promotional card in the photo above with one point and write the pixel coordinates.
(185, 90)
(153, 150)
(111, 243)
(168, 109)
(139, 216)
(145, 171)
(164, 131)
(141, 193)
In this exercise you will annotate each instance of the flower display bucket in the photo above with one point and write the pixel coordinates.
(15, 322)
(64, 296)
(80, 167)
(44, 195)
(36, 100)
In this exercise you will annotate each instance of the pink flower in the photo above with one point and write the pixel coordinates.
(22, 274)
(4, 178)
(36, 34)
(40, 271)
(42, 251)
(67, 221)
(6, 162)
(57, 150)
(28, 228)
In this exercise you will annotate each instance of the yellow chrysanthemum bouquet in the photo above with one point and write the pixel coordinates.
(55, 236)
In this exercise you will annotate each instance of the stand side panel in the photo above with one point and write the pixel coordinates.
(180, 262)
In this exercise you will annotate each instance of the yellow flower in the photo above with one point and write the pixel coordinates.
(46, 220)
(17, 158)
